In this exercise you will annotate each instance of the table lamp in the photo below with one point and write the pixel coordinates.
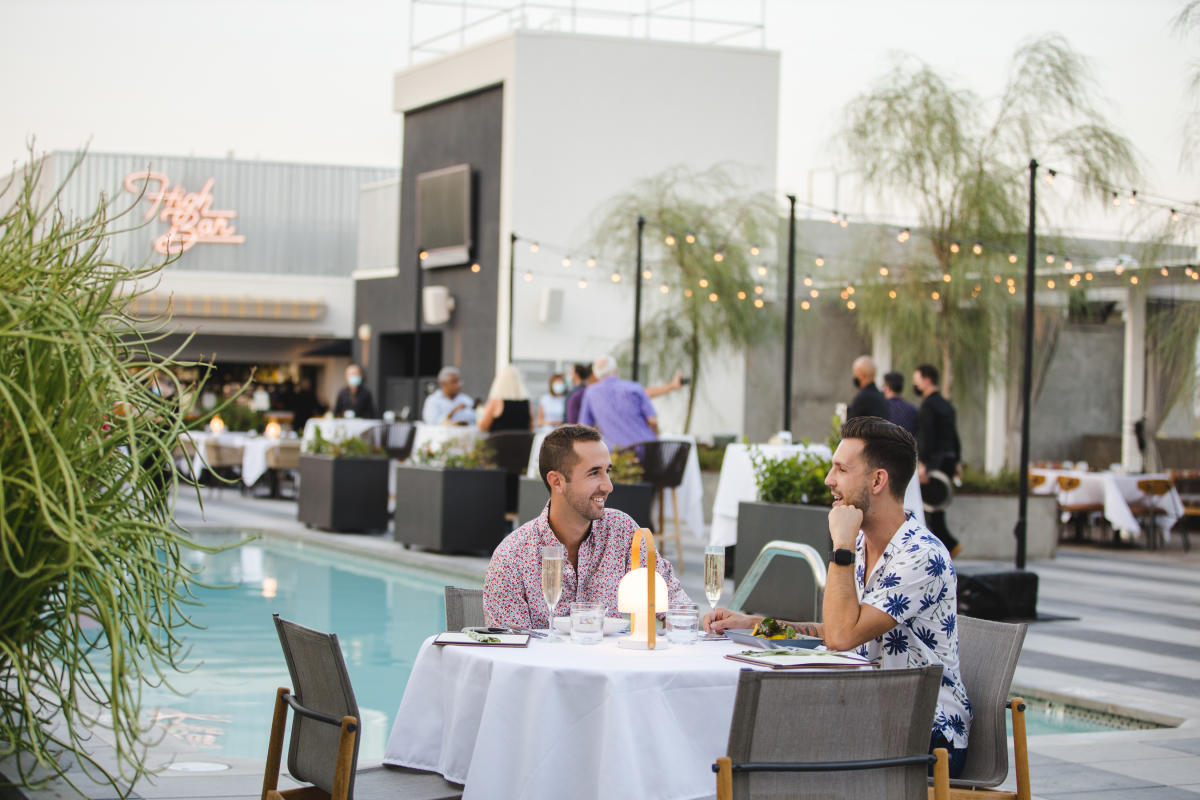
(216, 424)
(641, 593)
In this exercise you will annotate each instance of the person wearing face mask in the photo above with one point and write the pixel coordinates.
(354, 397)
(552, 407)
(938, 451)
(869, 402)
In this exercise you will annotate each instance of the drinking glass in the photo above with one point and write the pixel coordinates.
(587, 623)
(714, 573)
(683, 623)
(552, 569)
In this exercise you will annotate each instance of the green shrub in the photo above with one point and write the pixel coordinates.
(350, 447)
(711, 458)
(625, 467)
(976, 481)
(796, 480)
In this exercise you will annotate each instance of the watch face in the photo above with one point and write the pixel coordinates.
(843, 558)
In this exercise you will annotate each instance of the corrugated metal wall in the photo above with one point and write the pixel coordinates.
(297, 219)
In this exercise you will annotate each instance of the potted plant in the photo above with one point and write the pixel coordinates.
(343, 485)
(984, 510)
(451, 499)
(793, 504)
(630, 494)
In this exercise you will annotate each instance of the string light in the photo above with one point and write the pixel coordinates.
(762, 270)
(753, 249)
(758, 302)
(1133, 279)
(850, 305)
(528, 276)
(741, 295)
(690, 238)
(892, 294)
(422, 255)
(819, 261)
(945, 277)
(1050, 175)
(1133, 197)
(977, 249)
(850, 289)
(669, 241)
(814, 293)
(703, 283)
(1012, 258)
(712, 298)
(935, 294)
(808, 280)
(718, 256)
(997, 278)
(1087, 276)
(834, 217)
(687, 292)
(804, 304)
(475, 267)
(1120, 268)
(883, 270)
(615, 277)
(566, 262)
(664, 288)
(1050, 283)
(1012, 289)
(845, 295)
(591, 262)
(955, 247)
(844, 222)
(583, 283)
(1116, 199)
(758, 289)
(1174, 215)
(647, 274)
(533, 247)
(1067, 265)
(903, 236)
(1049, 258)
(1165, 272)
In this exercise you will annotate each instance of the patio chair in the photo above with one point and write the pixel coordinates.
(1077, 513)
(224, 462)
(663, 463)
(323, 750)
(283, 461)
(1188, 486)
(859, 733)
(1149, 506)
(1036, 479)
(511, 451)
(464, 608)
(987, 655)
(394, 438)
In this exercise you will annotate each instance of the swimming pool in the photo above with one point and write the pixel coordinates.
(381, 613)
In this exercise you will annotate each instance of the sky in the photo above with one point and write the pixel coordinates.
(310, 80)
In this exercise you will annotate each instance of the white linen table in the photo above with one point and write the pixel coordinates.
(690, 493)
(559, 720)
(1115, 491)
(736, 484)
(335, 429)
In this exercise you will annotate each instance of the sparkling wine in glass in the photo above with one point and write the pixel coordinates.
(714, 573)
(552, 569)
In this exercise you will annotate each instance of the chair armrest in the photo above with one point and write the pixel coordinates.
(828, 766)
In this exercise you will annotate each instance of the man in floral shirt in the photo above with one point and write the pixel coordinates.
(891, 589)
(574, 464)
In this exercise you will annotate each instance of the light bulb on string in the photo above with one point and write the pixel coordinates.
(687, 292)
(805, 305)
(423, 255)
(690, 238)
(762, 270)
(669, 240)
(814, 293)
(935, 294)
(1116, 199)
(741, 295)
(1164, 272)
(758, 302)
(997, 278)
(1012, 289)
(1087, 276)
(945, 277)
(718, 256)
(819, 261)
(1068, 264)
(1049, 258)
(850, 289)
(834, 217)
(1133, 280)
(977, 248)
(583, 283)
(902, 237)
(808, 281)
(1133, 197)
(844, 222)
(566, 262)
(534, 247)
(615, 277)
(647, 274)
(1050, 283)
(703, 283)
(1119, 269)
(591, 262)
(1174, 215)
(955, 247)
(883, 270)
(845, 295)
(753, 249)
(475, 267)
(664, 288)
(1050, 175)
(528, 276)
(712, 297)
(1012, 258)
(892, 294)
(850, 305)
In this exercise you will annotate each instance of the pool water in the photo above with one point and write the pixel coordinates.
(1044, 718)
(380, 612)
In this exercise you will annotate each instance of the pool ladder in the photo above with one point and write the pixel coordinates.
(779, 548)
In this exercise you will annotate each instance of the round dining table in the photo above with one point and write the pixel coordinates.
(558, 719)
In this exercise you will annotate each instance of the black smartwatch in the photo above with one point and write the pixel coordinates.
(843, 557)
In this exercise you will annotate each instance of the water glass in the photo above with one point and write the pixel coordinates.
(683, 623)
(587, 623)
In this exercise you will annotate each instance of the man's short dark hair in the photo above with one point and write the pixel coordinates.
(930, 373)
(886, 446)
(894, 381)
(558, 449)
(584, 371)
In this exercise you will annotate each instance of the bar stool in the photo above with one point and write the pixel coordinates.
(663, 463)
(1148, 507)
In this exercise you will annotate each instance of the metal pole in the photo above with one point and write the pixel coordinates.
(637, 298)
(512, 271)
(1027, 372)
(420, 309)
(790, 314)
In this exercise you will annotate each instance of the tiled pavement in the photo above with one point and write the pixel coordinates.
(1133, 650)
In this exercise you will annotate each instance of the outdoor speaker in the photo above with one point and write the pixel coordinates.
(550, 306)
(438, 304)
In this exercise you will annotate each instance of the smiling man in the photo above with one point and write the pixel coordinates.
(574, 464)
(891, 590)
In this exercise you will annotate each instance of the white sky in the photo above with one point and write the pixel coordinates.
(310, 80)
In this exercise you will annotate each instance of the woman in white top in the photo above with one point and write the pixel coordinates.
(552, 407)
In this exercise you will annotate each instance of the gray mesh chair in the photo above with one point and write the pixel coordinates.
(987, 655)
(464, 608)
(323, 750)
(860, 733)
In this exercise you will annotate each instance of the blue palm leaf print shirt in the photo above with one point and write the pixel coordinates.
(915, 584)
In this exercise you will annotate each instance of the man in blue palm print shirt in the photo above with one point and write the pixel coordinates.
(895, 599)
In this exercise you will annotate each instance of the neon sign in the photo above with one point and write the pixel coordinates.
(192, 218)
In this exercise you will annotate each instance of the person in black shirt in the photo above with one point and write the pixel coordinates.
(900, 411)
(354, 396)
(869, 402)
(938, 446)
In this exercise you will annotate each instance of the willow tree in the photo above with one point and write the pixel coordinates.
(93, 580)
(961, 162)
(708, 245)
(1187, 25)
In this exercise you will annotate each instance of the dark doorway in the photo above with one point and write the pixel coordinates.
(396, 365)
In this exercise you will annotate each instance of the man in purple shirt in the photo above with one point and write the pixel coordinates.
(620, 409)
(900, 411)
(581, 375)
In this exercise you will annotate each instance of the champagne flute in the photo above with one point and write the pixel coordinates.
(714, 573)
(552, 567)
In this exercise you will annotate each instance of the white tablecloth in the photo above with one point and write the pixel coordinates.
(560, 720)
(337, 429)
(254, 452)
(690, 494)
(1115, 491)
(737, 484)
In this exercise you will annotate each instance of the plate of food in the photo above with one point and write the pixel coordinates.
(772, 634)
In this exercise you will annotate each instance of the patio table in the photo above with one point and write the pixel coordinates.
(559, 720)
(1115, 491)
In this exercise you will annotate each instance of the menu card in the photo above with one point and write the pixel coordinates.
(802, 659)
(483, 640)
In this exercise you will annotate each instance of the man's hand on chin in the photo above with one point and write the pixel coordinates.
(719, 619)
(844, 523)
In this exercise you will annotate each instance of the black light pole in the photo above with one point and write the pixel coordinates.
(420, 311)
(637, 297)
(1027, 372)
(790, 315)
(512, 271)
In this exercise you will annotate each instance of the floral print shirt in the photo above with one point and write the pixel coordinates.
(915, 584)
(512, 591)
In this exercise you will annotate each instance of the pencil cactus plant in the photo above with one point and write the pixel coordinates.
(93, 584)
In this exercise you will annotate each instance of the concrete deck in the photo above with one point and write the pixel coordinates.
(1134, 651)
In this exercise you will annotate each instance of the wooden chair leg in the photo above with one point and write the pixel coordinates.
(342, 771)
(660, 532)
(1020, 748)
(678, 539)
(724, 778)
(275, 743)
(941, 775)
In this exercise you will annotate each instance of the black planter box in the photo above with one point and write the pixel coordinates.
(632, 498)
(343, 494)
(450, 510)
(786, 589)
